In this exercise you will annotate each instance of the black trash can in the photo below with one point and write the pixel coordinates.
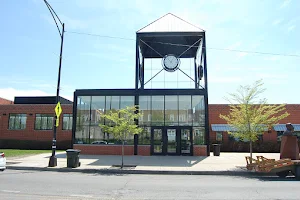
(217, 149)
(73, 158)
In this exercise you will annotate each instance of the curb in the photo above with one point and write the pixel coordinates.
(128, 171)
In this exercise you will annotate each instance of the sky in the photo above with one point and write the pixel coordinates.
(30, 44)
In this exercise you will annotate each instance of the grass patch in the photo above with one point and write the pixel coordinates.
(21, 152)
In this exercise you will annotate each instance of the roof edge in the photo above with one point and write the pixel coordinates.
(200, 29)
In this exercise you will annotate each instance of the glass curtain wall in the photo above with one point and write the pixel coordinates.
(163, 110)
(89, 116)
(173, 110)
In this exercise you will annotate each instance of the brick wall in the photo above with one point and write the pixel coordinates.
(29, 133)
(5, 101)
(144, 150)
(200, 150)
(104, 149)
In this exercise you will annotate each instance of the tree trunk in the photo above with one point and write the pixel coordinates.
(251, 151)
(122, 155)
(123, 150)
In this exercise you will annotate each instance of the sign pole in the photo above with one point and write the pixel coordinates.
(53, 159)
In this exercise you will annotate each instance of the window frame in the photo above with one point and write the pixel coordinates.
(14, 121)
(219, 133)
(47, 116)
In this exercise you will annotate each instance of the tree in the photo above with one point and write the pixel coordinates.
(121, 124)
(250, 117)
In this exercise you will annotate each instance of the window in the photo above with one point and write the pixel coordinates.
(219, 136)
(185, 110)
(199, 135)
(198, 107)
(145, 110)
(67, 121)
(145, 136)
(17, 121)
(171, 110)
(279, 135)
(232, 138)
(43, 122)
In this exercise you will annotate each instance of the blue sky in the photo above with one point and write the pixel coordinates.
(30, 44)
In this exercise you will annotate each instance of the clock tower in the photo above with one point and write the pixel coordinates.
(171, 54)
(171, 84)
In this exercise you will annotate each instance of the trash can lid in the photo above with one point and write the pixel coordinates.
(72, 150)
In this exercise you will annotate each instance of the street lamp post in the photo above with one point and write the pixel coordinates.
(53, 159)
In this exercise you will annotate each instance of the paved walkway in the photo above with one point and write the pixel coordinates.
(226, 163)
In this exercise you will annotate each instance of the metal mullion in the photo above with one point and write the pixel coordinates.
(20, 121)
(178, 137)
(177, 110)
(165, 147)
(90, 119)
(104, 109)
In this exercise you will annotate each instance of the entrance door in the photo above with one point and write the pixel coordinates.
(186, 147)
(171, 141)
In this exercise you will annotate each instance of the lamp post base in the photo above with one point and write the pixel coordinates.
(52, 161)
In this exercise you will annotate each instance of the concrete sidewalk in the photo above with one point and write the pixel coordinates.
(225, 164)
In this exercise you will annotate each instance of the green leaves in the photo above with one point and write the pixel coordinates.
(250, 116)
(121, 123)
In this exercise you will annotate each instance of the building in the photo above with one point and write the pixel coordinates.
(28, 123)
(35, 128)
(170, 89)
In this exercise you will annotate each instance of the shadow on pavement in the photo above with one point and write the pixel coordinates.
(275, 178)
(267, 177)
(58, 155)
(147, 161)
(161, 161)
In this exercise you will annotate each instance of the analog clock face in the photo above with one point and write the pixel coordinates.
(170, 63)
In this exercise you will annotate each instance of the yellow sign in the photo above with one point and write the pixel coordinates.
(58, 110)
(57, 122)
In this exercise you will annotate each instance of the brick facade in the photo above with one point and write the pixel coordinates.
(29, 133)
(144, 150)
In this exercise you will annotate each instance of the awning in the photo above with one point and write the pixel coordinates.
(225, 127)
(282, 127)
(221, 127)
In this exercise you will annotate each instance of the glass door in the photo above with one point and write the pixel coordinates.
(171, 141)
(186, 141)
(157, 141)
